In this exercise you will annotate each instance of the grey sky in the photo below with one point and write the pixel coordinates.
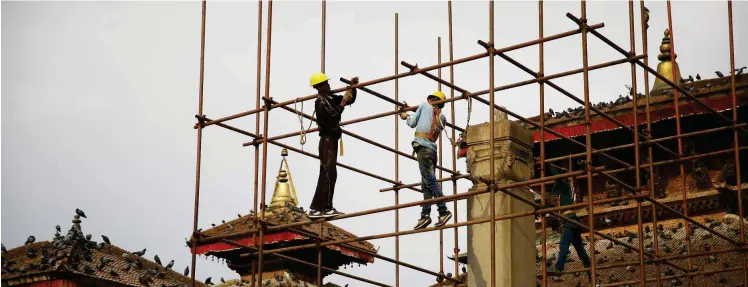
(98, 100)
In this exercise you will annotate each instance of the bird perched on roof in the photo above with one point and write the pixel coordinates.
(106, 239)
(690, 78)
(30, 240)
(57, 227)
(158, 260)
(739, 70)
(3, 248)
(186, 271)
(113, 273)
(139, 253)
(698, 77)
(223, 281)
(80, 213)
(207, 281)
(719, 74)
(170, 265)
(88, 236)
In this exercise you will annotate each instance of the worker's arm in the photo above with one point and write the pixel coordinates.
(412, 121)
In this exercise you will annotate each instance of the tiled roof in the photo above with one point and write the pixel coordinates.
(244, 226)
(74, 254)
(623, 105)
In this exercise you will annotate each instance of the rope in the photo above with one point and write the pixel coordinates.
(302, 132)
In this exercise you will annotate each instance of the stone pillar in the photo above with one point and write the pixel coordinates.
(515, 238)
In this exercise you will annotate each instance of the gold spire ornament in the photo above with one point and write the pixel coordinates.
(666, 66)
(284, 191)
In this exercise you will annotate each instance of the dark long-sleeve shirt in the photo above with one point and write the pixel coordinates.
(328, 112)
(565, 197)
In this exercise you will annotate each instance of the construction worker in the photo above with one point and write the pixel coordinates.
(429, 123)
(571, 234)
(328, 108)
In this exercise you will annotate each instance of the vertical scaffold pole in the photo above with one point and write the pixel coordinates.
(199, 144)
(454, 153)
(492, 186)
(676, 105)
(322, 69)
(650, 153)
(543, 222)
(257, 131)
(637, 150)
(588, 146)
(265, 140)
(397, 161)
(441, 154)
(736, 142)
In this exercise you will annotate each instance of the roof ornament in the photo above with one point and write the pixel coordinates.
(666, 66)
(284, 193)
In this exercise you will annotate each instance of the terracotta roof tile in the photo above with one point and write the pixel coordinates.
(113, 271)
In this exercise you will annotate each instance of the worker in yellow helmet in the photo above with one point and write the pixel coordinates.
(328, 108)
(429, 123)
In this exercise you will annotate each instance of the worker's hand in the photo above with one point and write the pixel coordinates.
(403, 116)
(346, 98)
(354, 81)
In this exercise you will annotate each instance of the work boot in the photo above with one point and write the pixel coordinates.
(444, 217)
(423, 222)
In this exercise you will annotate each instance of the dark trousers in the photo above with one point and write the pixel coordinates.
(430, 187)
(328, 174)
(573, 236)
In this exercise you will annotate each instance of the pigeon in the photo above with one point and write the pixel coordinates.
(88, 236)
(207, 281)
(3, 248)
(213, 224)
(223, 281)
(89, 270)
(170, 265)
(58, 228)
(106, 239)
(223, 221)
(740, 70)
(80, 213)
(186, 271)
(113, 274)
(698, 77)
(158, 260)
(139, 253)
(690, 78)
(719, 74)
(238, 215)
(30, 240)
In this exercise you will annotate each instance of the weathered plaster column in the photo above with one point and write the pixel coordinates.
(515, 238)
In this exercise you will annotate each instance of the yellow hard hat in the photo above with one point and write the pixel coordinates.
(317, 78)
(439, 95)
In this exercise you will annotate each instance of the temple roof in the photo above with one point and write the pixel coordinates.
(74, 255)
(283, 209)
(702, 89)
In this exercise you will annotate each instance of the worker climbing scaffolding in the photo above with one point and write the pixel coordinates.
(429, 123)
(328, 107)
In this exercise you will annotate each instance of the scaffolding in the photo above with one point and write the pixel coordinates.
(261, 139)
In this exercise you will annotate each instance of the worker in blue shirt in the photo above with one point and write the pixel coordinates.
(429, 123)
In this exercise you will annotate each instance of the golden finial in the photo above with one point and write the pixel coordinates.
(284, 189)
(666, 66)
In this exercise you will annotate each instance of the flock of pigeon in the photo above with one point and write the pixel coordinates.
(79, 250)
(579, 111)
(671, 242)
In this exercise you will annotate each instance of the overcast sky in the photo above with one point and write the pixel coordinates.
(99, 98)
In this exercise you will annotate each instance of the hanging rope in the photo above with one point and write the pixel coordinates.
(302, 132)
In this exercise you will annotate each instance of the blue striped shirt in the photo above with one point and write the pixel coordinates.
(421, 120)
